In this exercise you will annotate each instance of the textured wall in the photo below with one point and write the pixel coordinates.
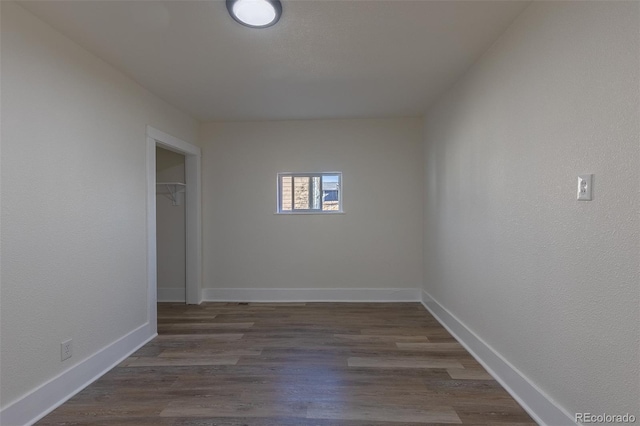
(170, 224)
(549, 282)
(73, 201)
(373, 245)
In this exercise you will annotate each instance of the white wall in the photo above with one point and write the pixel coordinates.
(73, 201)
(170, 224)
(550, 283)
(373, 245)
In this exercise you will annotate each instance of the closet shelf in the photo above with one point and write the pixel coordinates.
(171, 190)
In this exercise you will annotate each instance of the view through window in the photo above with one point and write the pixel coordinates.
(310, 192)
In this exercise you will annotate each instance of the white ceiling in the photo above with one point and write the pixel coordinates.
(324, 59)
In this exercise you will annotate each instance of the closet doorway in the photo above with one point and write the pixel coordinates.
(170, 226)
(176, 159)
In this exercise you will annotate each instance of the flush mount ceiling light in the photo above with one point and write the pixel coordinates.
(255, 13)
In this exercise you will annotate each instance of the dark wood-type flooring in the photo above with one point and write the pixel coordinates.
(295, 364)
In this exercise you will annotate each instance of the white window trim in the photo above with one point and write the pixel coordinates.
(309, 211)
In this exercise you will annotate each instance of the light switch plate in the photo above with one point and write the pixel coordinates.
(585, 187)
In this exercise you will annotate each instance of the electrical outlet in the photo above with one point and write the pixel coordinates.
(65, 350)
(584, 187)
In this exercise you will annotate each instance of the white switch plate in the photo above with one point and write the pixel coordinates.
(584, 187)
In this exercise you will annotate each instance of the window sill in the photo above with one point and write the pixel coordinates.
(327, 213)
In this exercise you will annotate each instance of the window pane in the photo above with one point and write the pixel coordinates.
(330, 192)
(301, 192)
(286, 196)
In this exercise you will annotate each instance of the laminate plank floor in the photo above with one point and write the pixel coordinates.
(298, 364)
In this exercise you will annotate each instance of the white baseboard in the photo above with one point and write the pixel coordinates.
(539, 405)
(311, 294)
(44, 399)
(171, 294)
(47, 397)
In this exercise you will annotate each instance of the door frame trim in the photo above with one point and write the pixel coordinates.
(193, 217)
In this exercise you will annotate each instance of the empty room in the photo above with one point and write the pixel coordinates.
(319, 212)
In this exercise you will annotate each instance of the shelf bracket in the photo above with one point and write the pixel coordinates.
(172, 190)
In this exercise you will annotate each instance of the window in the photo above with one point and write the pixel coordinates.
(310, 193)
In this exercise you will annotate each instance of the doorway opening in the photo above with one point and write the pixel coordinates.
(170, 226)
(185, 194)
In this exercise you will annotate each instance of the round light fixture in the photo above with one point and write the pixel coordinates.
(255, 13)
